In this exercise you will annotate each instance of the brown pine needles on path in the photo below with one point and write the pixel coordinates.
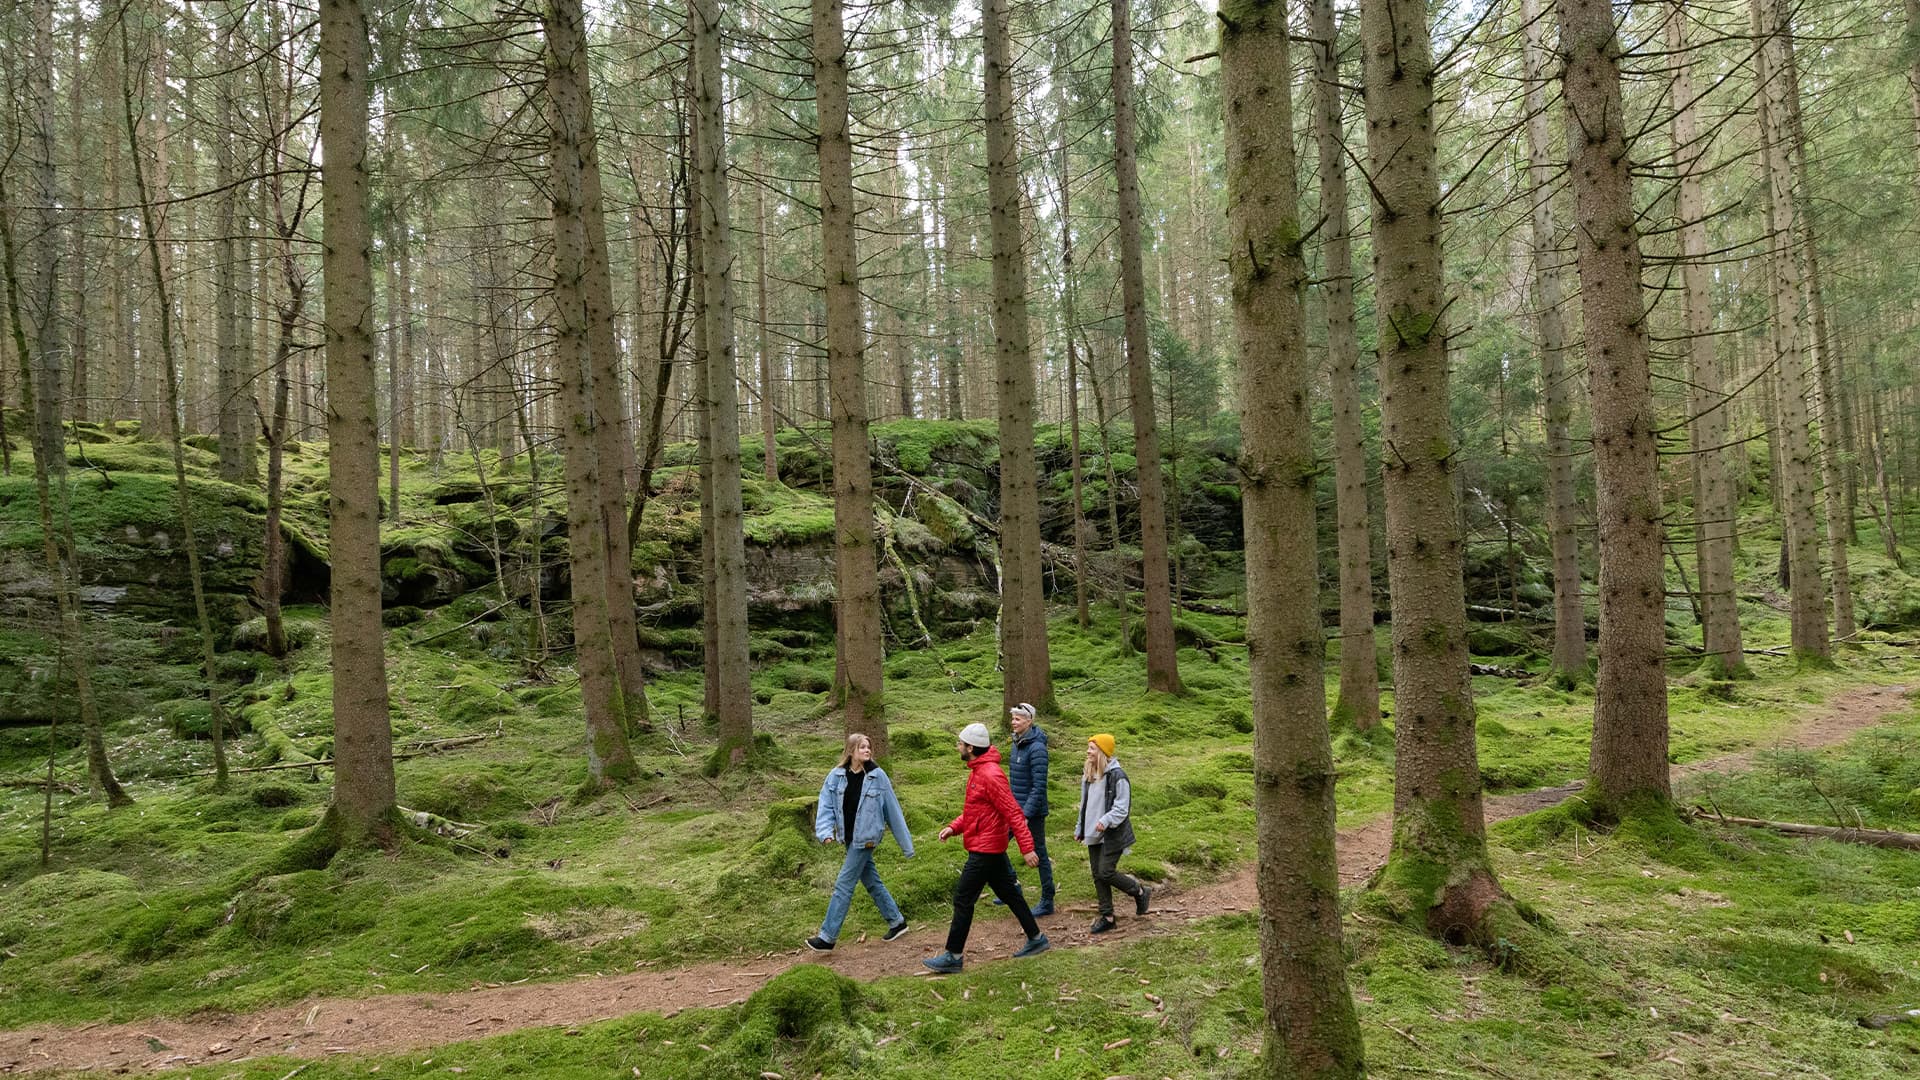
(321, 1027)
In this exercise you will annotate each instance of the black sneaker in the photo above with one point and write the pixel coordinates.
(1140, 901)
(895, 930)
(1102, 924)
(820, 944)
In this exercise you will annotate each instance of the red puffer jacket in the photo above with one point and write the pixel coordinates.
(990, 811)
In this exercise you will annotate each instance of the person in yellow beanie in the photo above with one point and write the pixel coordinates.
(1105, 825)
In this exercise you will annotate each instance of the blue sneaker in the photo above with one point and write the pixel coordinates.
(1044, 909)
(1035, 945)
(944, 964)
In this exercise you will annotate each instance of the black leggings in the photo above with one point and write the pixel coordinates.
(986, 870)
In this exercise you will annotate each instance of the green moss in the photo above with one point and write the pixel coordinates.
(805, 999)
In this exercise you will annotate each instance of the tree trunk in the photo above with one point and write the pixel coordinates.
(1628, 759)
(1569, 609)
(769, 423)
(858, 647)
(392, 336)
(1163, 670)
(610, 413)
(609, 759)
(1807, 590)
(363, 795)
(1311, 1029)
(39, 360)
(1834, 449)
(234, 407)
(1359, 700)
(1715, 509)
(1027, 670)
(1070, 331)
(1437, 870)
(735, 694)
(189, 541)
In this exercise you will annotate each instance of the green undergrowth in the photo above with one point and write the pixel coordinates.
(1677, 951)
(207, 911)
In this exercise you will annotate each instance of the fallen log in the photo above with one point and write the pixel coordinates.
(37, 785)
(1499, 672)
(1884, 838)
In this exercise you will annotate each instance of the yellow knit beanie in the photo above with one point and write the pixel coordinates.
(1104, 742)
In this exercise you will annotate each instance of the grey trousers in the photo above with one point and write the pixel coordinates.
(1107, 876)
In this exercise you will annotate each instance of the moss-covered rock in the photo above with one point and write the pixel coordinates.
(805, 999)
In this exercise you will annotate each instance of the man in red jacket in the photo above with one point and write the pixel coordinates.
(986, 817)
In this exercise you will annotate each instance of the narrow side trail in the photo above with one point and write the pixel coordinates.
(321, 1027)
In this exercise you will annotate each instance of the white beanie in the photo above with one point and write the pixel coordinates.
(976, 735)
(1022, 709)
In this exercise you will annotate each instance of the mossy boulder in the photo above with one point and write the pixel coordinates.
(803, 1000)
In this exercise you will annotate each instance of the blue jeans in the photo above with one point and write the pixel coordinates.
(858, 868)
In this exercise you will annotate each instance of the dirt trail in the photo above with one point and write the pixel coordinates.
(321, 1027)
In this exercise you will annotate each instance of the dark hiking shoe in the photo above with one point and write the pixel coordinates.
(819, 944)
(895, 930)
(944, 964)
(1045, 908)
(1140, 901)
(1102, 924)
(1035, 945)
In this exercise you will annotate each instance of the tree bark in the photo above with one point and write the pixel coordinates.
(1569, 608)
(1311, 1029)
(609, 759)
(363, 788)
(1437, 870)
(1715, 509)
(150, 229)
(1627, 763)
(1027, 671)
(1163, 667)
(1359, 700)
(735, 694)
(1808, 617)
(1069, 318)
(234, 408)
(858, 648)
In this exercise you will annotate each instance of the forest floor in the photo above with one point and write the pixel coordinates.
(327, 1027)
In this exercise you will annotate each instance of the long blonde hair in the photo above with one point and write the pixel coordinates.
(854, 739)
(1097, 761)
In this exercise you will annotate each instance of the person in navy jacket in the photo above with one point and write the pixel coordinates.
(858, 808)
(1027, 776)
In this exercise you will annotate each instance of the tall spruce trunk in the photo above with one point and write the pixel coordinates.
(858, 647)
(1163, 668)
(1627, 763)
(31, 306)
(150, 229)
(609, 424)
(1359, 701)
(769, 421)
(734, 702)
(1437, 872)
(1549, 265)
(1026, 669)
(1835, 450)
(1806, 589)
(1310, 1028)
(363, 787)
(234, 407)
(1715, 509)
(609, 759)
(1069, 317)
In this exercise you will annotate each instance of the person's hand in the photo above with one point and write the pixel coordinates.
(827, 839)
(946, 831)
(1098, 827)
(1033, 858)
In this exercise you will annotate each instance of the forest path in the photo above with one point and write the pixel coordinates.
(320, 1027)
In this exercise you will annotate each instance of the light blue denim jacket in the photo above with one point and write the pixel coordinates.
(879, 811)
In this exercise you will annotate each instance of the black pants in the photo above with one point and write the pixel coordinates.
(986, 870)
(1107, 876)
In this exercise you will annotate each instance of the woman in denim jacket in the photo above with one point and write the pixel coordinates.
(857, 808)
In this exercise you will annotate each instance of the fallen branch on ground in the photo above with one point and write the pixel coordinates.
(1884, 838)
